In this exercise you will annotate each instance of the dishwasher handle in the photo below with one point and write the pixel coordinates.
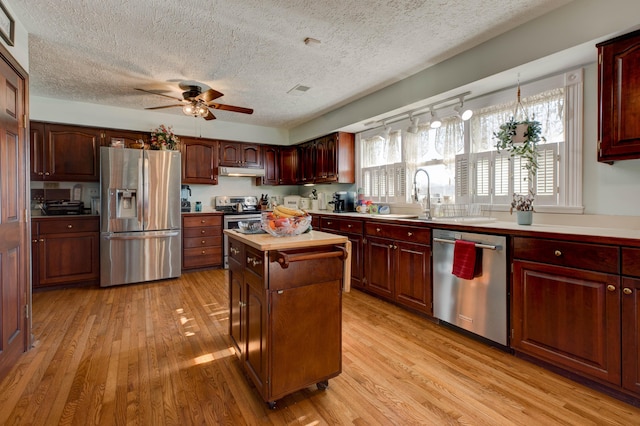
(478, 245)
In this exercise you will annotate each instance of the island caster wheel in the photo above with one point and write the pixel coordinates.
(323, 385)
(271, 405)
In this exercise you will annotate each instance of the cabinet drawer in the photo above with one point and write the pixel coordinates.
(631, 261)
(254, 261)
(205, 231)
(58, 226)
(202, 242)
(236, 251)
(201, 220)
(201, 257)
(399, 232)
(351, 226)
(588, 256)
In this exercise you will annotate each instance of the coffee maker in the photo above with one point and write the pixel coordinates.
(185, 204)
(344, 201)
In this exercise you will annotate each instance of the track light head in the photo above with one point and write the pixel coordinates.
(435, 121)
(413, 127)
(464, 114)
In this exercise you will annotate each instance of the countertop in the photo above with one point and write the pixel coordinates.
(265, 242)
(623, 235)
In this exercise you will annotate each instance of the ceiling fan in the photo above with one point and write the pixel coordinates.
(197, 103)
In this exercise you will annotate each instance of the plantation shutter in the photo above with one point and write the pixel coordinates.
(546, 182)
(462, 179)
(501, 185)
(481, 177)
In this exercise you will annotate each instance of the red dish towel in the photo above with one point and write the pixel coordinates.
(467, 262)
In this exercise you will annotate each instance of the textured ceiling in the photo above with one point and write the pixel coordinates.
(253, 51)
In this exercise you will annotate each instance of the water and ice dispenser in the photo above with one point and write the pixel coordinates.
(124, 201)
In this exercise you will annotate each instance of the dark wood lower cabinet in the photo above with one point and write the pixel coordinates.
(65, 251)
(201, 240)
(568, 317)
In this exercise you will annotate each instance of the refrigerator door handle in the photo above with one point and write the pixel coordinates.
(141, 176)
(146, 192)
(141, 235)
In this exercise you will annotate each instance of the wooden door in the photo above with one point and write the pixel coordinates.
(71, 153)
(568, 317)
(14, 248)
(380, 266)
(271, 155)
(413, 276)
(631, 334)
(199, 161)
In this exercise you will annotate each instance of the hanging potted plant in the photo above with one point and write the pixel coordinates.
(519, 137)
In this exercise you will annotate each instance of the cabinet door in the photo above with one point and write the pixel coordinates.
(251, 155)
(413, 276)
(236, 306)
(631, 334)
(71, 153)
(109, 136)
(37, 150)
(240, 154)
(379, 263)
(619, 89)
(68, 258)
(357, 261)
(322, 160)
(307, 168)
(294, 313)
(568, 317)
(199, 161)
(256, 330)
(271, 157)
(288, 173)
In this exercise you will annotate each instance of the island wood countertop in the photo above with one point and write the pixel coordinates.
(266, 242)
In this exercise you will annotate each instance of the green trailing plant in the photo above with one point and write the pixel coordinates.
(527, 149)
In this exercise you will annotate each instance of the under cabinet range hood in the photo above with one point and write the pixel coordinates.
(240, 171)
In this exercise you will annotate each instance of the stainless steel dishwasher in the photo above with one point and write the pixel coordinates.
(478, 305)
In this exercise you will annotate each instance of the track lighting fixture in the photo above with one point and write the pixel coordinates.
(386, 131)
(435, 121)
(413, 127)
(464, 114)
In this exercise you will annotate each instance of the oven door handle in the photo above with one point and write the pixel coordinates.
(478, 245)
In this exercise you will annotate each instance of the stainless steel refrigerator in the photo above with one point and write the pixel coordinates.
(140, 218)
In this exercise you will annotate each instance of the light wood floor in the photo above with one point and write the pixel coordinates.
(158, 353)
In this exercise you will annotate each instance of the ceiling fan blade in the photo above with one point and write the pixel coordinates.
(209, 95)
(209, 116)
(159, 94)
(166, 106)
(232, 108)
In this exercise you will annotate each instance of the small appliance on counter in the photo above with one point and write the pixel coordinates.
(62, 207)
(344, 201)
(292, 201)
(185, 204)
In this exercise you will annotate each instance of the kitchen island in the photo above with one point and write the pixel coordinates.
(285, 308)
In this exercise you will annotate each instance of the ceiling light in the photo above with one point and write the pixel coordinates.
(464, 114)
(413, 128)
(189, 109)
(435, 121)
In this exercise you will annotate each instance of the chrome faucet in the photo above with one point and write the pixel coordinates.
(415, 186)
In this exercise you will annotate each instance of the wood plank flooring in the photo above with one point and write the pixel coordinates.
(159, 354)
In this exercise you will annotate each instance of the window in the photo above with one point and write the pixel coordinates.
(463, 164)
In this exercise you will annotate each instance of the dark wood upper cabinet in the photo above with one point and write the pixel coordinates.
(270, 160)
(199, 161)
(64, 153)
(329, 159)
(128, 137)
(307, 162)
(240, 154)
(618, 94)
(288, 165)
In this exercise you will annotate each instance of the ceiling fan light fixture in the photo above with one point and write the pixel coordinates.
(188, 109)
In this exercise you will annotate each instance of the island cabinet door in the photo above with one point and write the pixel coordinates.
(256, 334)
(237, 307)
(379, 266)
(306, 330)
(568, 317)
(631, 334)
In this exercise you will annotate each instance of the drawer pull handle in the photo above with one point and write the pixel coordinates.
(42, 240)
(234, 250)
(349, 226)
(558, 253)
(202, 221)
(378, 229)
(204, 251)
(253, 261)
(203, 241)
(611, 287)
(203, 231)
(409, 234)
(34, 241)
(627, 290)
(69, 226)
(242, 304)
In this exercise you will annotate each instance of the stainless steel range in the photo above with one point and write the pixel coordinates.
(236, 209)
